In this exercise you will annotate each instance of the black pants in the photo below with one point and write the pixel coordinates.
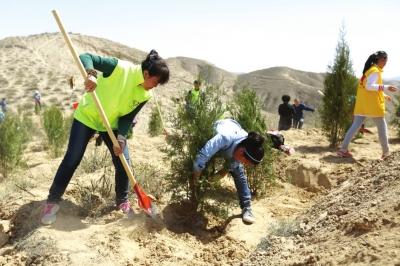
(284, 124)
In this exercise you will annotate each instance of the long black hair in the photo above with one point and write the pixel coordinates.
(253, 147)
(373, 59)
(156, 66)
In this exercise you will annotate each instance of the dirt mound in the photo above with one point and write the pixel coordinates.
(356, 223)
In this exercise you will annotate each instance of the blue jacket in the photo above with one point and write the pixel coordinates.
(228, 135)
(298, 111)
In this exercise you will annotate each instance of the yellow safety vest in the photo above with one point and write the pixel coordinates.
(370, 103)
(195, 96)
(119, 94)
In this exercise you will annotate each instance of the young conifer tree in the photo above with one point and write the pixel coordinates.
(155, 123)
(55, 128)
(191, 129)
(12, 137)
(340, 86)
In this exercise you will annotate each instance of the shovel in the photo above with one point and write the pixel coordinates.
(144, 201)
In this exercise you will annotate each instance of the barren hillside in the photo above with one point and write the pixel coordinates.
(274, 82)
(43, 62)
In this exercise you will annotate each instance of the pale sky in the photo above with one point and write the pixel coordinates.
(236, 35)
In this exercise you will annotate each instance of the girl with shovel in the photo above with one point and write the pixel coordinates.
(123, 89)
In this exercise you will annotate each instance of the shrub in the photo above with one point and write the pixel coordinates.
(155, 123)
(55, 128)
(339, 90)
(192, 128)
(246, 109)
(95, 160)
(12, 137)
(95, 196)
(285, 227)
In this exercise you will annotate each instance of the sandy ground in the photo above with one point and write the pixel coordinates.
(325, 188)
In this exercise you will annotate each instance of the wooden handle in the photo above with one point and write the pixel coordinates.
(94, 95)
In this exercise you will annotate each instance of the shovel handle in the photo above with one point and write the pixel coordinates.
(94, 96)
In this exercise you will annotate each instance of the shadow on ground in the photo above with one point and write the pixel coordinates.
(180, 218)
(339, 160)
(27, 218)
(313, 149)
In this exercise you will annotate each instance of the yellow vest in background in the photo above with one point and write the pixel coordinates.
(370, 103)
(119, 94)
(195, 96)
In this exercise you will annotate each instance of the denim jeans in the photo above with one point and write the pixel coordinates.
(242, 187)
(78, 140)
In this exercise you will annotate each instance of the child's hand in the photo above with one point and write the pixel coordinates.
(122, 143)
(388, 98)
(90, 83)
(393, 88)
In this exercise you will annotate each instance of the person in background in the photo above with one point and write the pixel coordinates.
(2, 116)
(278, 142)
(193, 96)
(37, 99)
(3, 105)
(123, 89)
(239, 148)
(71, 82)
(286, 112)
(298, 117)
(370, 102)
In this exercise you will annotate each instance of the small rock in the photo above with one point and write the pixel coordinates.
(4, 226)
(323, 216)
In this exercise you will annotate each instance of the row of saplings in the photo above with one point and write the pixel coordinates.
(191, 129)
(18, 129)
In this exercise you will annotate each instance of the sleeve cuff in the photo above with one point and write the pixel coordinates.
(196, 167)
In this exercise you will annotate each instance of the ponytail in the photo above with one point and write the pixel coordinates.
(373, 59)
(253, 147)
(156, 66)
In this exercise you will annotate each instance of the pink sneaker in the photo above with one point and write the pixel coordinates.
(344, 154)
(125, 207)
(49, 213)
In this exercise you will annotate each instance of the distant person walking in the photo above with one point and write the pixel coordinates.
(286, 113)
(298, 117)
(3, 105)
(71, 82)
(370, 102)
(37, 99)
(2, 116)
